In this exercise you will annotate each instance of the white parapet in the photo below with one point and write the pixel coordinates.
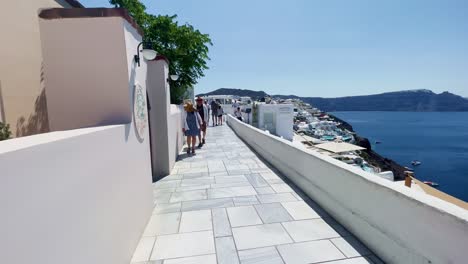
(78, 196)
(399, 224)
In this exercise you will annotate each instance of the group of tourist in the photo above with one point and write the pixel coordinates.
(197, 119)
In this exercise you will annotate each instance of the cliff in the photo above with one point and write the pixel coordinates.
(371, 156)
(411, 101)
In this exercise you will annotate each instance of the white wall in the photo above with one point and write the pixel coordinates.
(176, 137)
(165, 120)
(284, 116)
(21, 72)
(89, 76)
(159, 97)
(78, 196)
(399, 224)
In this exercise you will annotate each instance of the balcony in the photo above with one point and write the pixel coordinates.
(228, 205)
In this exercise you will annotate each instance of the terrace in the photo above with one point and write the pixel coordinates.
(227, 205)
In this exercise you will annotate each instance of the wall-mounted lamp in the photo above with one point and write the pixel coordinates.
(174, 77)
(148, 54)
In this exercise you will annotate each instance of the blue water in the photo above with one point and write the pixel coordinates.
(438, 140)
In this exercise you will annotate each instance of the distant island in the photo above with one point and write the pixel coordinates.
(411, 101)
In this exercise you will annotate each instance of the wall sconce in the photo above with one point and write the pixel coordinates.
(148, 54)
(173, 77)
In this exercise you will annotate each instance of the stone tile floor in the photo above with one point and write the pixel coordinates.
(225, 205)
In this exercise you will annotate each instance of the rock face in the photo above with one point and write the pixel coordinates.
(371, 156)
(363, 142)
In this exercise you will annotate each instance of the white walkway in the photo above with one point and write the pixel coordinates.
(225, 205)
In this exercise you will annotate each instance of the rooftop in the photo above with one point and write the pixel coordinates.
(226, 205)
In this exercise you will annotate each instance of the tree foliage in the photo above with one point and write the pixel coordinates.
(185, 47)
(5, 132)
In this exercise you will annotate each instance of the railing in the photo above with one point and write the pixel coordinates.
(399, 224)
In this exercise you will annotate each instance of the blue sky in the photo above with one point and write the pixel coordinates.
(328, 48)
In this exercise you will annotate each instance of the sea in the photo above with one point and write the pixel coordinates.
(439, 140)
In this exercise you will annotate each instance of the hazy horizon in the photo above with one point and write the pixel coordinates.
(329, 48)
(286, 94)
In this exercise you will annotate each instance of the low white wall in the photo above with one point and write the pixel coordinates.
(78, 196)
(176, 137)
(398, 224)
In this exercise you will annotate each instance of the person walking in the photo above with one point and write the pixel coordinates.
(214, 112)
(220, 115)
(191, 127)
(202, 109)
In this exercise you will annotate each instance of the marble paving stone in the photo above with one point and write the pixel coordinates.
(188, 196)
(143, 250)
(167, 208)
(198, 164)
(263, 169)
(243, 216)
(269, 176)
(264, 190)
(306, 230)
(298, 196)
(281, 188)
(148, 262)
(253, 166)
(359, 260)
(216, 168)
(207, 204)
(231, 162)
(192, 170)
(199, 176)
(248, 161)
(165, 190)
(245, 200)
(162, 224)
(195, 221)
(300, 210)
(310, 252)
(239, 172)
(181, 164)
(221, 224)
(274, 181)
(260, 236)
(166, 184)
(192, 188)
(272, 213)
(229, 184)
(231, 167)
(230, 179)
(256, 180)
(276, 197)
(162, 197)
(336, 226)
(266, 255)
(197, 181)
(226, 250)
(183, 245)
(171, 177)
(205, 259)
(351, 247)
(231, 192)
(218, 173)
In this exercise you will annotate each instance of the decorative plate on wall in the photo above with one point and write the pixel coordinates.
(140, 113)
